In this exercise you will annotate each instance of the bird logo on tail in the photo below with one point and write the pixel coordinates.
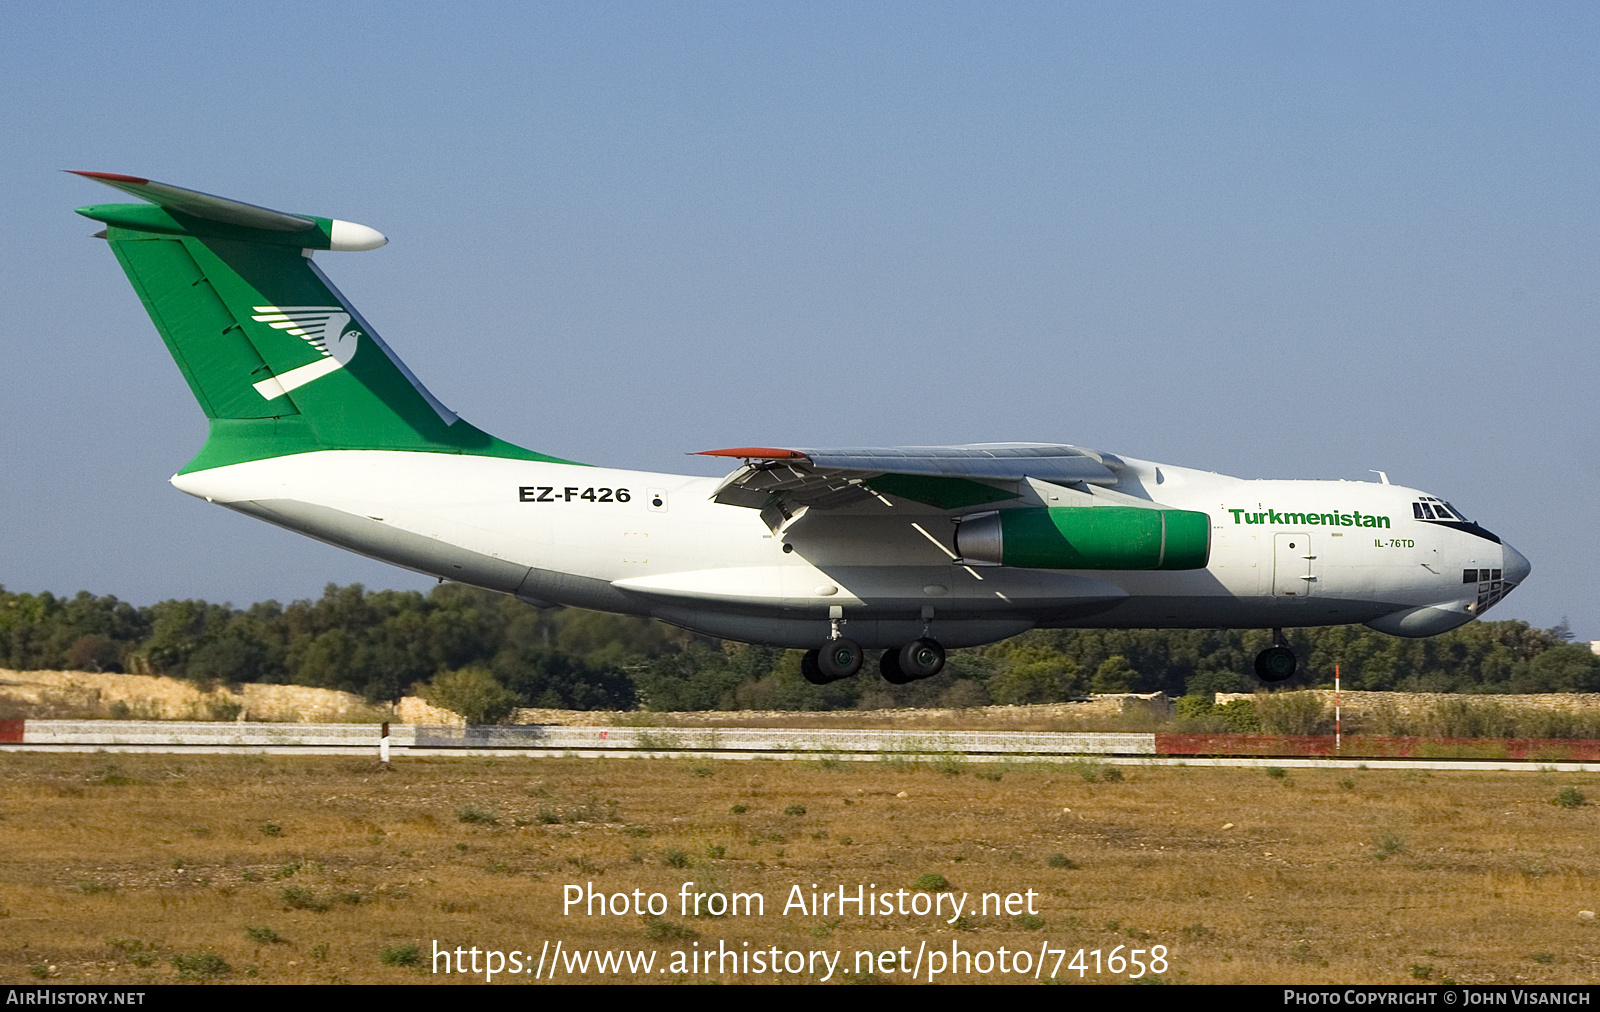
(322, 327)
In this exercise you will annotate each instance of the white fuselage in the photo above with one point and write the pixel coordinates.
(655, 544)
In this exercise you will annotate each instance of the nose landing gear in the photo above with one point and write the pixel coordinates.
(1277, 663)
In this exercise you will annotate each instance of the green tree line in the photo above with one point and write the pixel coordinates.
(381, 643)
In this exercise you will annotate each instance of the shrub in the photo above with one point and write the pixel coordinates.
(1195, 705)
(296, 898)
(224, 710)
(1238, 716)
(1293, 713)
(400, 955)
(931, 882)
(675, 858)
(1387, 845)
(1094, 772)
(1042, 680)
(139, 953)
(795, 810)
(1465, 718)
(476, 816)
(1568, 797)
(473, 692)
(1060, 861)
(263, 935)
(199, 965)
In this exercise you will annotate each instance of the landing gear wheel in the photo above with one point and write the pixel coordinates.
(922, 659)
(1276, 664)
(889, 667)
(810, 670)
(839, 658)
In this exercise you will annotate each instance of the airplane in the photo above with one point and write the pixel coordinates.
(317, 426)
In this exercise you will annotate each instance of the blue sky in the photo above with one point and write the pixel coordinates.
(1269, 240)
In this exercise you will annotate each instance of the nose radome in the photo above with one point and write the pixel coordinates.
(1514, 565)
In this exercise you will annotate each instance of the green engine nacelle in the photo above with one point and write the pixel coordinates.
(1086, 537)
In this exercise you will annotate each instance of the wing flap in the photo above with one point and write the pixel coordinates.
(946, 477)
(757, 485)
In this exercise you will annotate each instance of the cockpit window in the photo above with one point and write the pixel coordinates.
(1429, 508)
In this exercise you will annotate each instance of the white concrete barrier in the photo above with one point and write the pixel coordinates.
(546, 738)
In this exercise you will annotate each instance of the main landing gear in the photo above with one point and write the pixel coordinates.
(1277, 663)
(912, 662)
(840, 658)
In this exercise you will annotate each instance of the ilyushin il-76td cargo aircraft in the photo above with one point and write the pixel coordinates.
(317, 426)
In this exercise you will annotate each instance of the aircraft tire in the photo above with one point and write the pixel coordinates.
(839, 658)
(810, 670)
(889, 668)
(1276, 664)
(923, 658)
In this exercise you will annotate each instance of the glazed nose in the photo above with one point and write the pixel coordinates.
(1514, 565)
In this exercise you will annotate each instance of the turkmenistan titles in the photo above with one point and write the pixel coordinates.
(1355, 518)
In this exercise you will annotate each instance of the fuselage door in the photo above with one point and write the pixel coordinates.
(1293, 573)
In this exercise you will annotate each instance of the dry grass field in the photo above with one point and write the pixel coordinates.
(244, 869)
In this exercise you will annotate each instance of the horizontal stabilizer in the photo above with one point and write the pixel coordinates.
(318, 233)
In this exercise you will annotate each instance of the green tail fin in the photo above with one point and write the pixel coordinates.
(279, 360)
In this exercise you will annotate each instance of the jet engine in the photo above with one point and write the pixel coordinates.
(1086, 537)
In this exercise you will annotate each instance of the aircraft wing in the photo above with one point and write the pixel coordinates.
(946, 477)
